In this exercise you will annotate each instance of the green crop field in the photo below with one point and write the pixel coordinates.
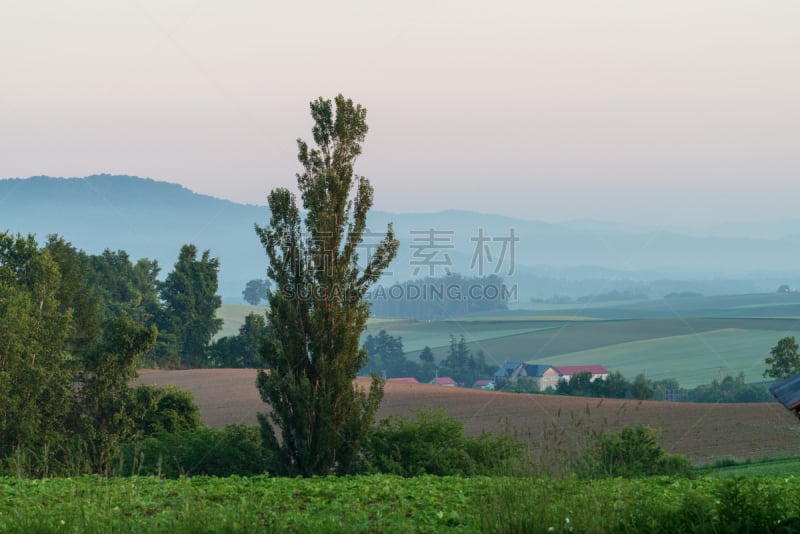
(693, 340)
(694, 359)
(392, 504)
(777, 467)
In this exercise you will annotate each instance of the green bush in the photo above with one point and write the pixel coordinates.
(632, 452)
(162, 409)
(434, 444)
(235, 450)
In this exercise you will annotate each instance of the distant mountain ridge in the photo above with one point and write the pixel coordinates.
(149, 218)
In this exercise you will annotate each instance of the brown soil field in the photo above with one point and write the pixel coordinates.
(702, 432)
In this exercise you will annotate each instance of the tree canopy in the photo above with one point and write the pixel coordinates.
(190, 305)
(67, 354)
(317, 310)
(783, 360)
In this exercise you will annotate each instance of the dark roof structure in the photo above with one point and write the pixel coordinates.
(787, 392)
(536, 369)
(507, 369)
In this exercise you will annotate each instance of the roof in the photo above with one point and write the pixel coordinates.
(479, 383)
(507, 369)
(405, 379)
(575, 369)
(787, 392)
(444, 381)
(537, 369)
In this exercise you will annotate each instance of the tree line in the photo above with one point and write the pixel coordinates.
(73, 328)
(387, 359)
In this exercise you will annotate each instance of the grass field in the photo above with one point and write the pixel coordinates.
(774, 467)
(693, 340)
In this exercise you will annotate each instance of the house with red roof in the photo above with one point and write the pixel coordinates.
(444, 381)
(483, 384)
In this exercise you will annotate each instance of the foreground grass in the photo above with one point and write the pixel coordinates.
(393, 504)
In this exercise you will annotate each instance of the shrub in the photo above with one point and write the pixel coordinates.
(162, 409)
(434, 444)
(235, 450)
(632, 452)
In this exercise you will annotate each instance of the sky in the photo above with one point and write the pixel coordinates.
(674, 113)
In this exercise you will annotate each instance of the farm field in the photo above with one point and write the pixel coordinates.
(775, 467)
(392, 504)
(704, 433)
(693, 349)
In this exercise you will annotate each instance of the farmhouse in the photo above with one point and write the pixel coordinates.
(544, 375)
(444, 381)
(509, 371)
(483, 384)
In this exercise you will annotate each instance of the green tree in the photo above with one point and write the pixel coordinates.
(66, 359)
(614, 386)
(386, 355)
(426, 355)
(35, 369)
(241, 350)
(255, 291)
(103, 393)
(783, 361)
(191, 302)
(318, 311)
(641, 388)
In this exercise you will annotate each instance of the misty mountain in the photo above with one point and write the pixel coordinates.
(153, 219)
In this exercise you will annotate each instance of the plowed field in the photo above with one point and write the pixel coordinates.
(703, 432)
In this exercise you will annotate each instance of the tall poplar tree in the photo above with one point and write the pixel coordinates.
(190, 305)
(317, 310)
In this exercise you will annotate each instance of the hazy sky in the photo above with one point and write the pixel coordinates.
(678, 112)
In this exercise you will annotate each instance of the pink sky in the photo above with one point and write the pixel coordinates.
(667, 113)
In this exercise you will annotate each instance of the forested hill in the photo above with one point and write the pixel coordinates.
(153, 219)
(144, 217)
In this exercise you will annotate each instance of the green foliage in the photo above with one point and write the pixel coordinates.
(393, 504)
(318, 311)
(426, 355)
(783, 360)
(462, 365)
(434, 444)
(235, 450)
(614, 386)
(162, 409)
(641, 388)
(241, 350)
(35, 370)
(188, 321)
(730, 390)
(255, 291)
(104, 420)
(72, 328)
(387, 358)
(632, 452)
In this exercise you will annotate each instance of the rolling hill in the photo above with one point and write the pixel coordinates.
(153, 219)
